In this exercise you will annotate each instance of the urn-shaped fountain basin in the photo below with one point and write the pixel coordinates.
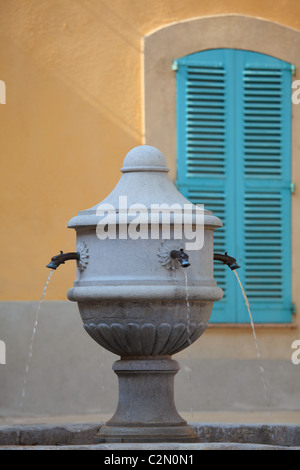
(131, 293)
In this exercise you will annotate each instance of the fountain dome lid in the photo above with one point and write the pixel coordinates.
(144, 158)
(144, 182)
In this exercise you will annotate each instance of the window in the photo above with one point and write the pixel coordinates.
(234, 155)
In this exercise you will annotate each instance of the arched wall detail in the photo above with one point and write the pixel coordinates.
(169, 43)
(176, 40)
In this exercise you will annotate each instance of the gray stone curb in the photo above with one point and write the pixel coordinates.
(159, 447)
(221, 436)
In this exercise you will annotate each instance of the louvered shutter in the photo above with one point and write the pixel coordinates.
(203, 142)
(263, 178)
(233, 115)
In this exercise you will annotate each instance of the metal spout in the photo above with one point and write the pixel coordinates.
(181, 257)
(228, 260)
(60, 259)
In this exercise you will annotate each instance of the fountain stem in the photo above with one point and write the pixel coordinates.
(154, 419)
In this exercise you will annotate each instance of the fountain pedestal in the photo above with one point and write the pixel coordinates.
(146, 410)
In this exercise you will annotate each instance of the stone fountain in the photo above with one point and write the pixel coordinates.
(132, 294)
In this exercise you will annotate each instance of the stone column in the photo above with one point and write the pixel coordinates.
(146, 410)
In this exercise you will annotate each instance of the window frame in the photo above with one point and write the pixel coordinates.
(163, 45)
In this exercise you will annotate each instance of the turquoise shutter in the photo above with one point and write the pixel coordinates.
(233, 131)
(263, 178)
(203, 142)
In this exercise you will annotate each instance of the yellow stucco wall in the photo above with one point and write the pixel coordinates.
(74, 108)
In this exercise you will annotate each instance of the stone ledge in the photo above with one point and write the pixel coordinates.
(162, 447)
(80, 436)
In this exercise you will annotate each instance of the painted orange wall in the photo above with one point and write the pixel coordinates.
(74, 108)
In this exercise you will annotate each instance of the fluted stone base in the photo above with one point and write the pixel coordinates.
(146, 410)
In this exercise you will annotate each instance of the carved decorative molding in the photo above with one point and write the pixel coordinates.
(132, 339)
(83, 250)
(164, 254)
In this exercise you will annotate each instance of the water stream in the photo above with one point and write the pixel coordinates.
(188, 318)
(188, 308)
(258, 353)
(32, 340)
